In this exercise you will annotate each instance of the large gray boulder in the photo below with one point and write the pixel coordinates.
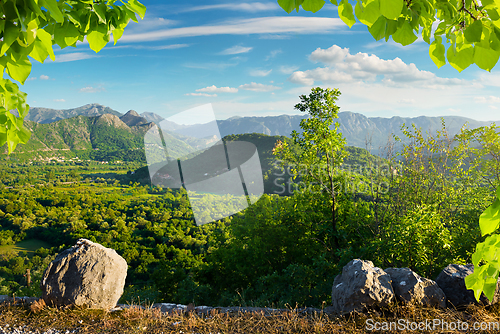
(411, 288)
(87, 274)
(452, 281)
(361, 286)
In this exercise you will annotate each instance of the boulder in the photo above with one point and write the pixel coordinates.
(87, 274)
(411, 288)
(361, 286)
(452, 281)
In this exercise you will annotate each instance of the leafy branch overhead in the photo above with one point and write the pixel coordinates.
(30, 28)
(471, 27)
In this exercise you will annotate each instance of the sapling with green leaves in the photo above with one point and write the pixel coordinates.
(320, 149)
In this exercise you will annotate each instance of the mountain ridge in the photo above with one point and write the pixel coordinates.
(359, 130)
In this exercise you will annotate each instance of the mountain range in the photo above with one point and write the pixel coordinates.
(102, 137)
(95, 127)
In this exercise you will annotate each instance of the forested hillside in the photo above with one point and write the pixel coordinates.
(103, 138)
(403, 212)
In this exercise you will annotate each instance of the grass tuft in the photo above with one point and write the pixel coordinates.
(145, 319)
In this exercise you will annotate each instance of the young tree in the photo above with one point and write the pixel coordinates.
(472, 28)
(320, 152)
(31, 28)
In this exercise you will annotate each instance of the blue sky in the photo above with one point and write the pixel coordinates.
(252, 58)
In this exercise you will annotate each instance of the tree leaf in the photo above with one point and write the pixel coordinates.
(494, 41)
(31, 31)
(485, 58)
(490, 218)
(71, 34)
(367, 13)
(404, 35)
(59, 33)
(140, 9)
(474, 31)
(100, 10)
(98, 38)
(475, 282)
(19, 70)
(46, 39)
(117, 34)
(287, 5)
(35, 8)
(346, 14)
(378, 28)
(313, 5)
(39, 51)
(10, 33)
(54, 10)
(462, 58)
(391, 9)
(391, 28)
(24, 135)
(436, 52)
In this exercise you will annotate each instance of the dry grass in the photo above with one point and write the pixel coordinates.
(149, 320)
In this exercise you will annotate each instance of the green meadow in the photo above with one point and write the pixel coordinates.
(29, 246)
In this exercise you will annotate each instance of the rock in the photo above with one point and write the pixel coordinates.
(361, 286)
(88, 274)
(411, 288)
(452, 281)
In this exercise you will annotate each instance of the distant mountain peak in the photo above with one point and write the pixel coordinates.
(48, 115)
(113, 120)
(133, 113)
(132, 118)
(93, 105)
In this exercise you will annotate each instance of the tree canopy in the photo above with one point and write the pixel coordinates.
(30, 28)
(471, 28)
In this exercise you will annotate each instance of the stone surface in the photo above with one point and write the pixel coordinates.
(452, 281)
(87, 274)
(361, 286)
(410, 287)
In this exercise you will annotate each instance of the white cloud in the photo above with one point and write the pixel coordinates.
(273, 54)
(212, 66)
(226, 109)
(59, 100)
(261, 25)
(150, 22)
(237, 49)
(90, 89)
(214, 89)
(201, 94)
(343, 67)
(73, 57)
(260, 73)
(169, 47)
(487, 99)
(288, 69)
(407, 101)
(144, 47)
(490, 78)
(245, 7)
(257, 87)
(44, 77)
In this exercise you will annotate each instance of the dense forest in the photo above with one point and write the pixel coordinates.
(416, 208)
